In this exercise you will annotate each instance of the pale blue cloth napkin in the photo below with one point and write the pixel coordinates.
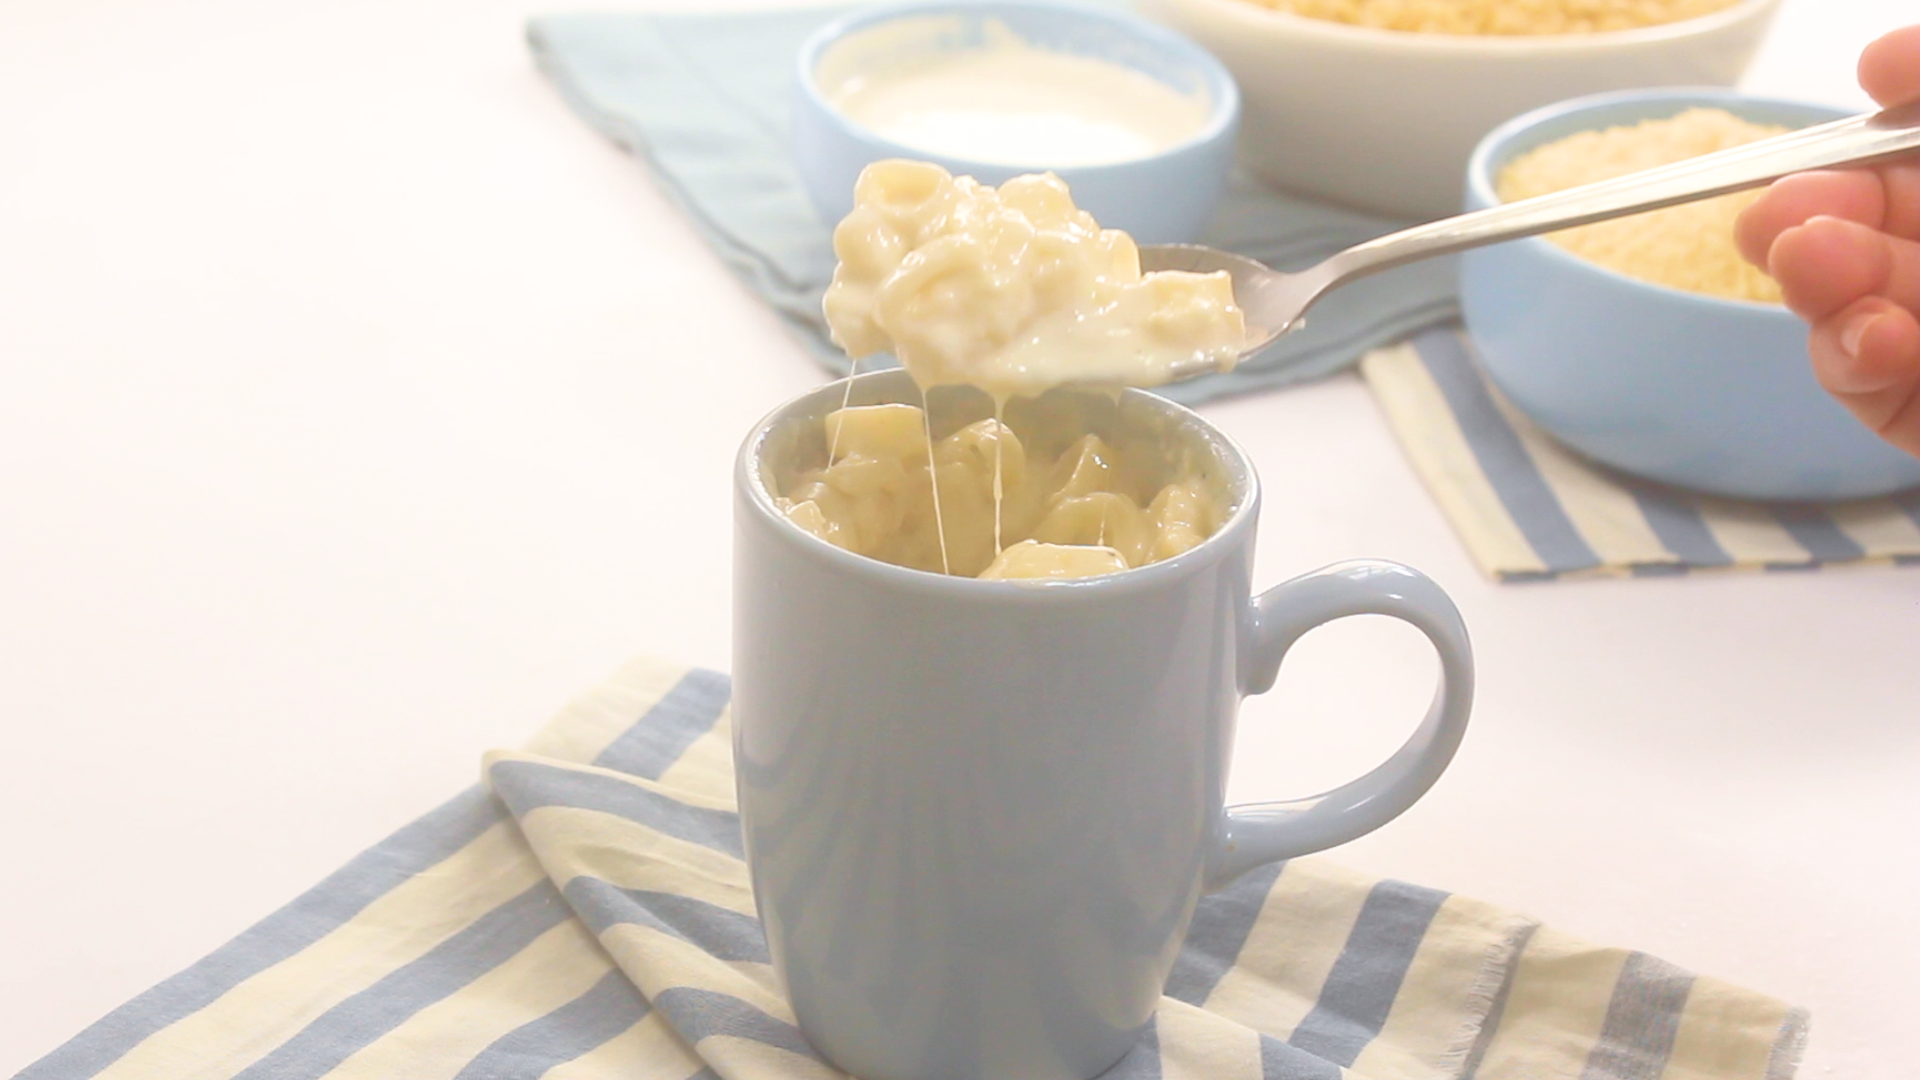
(702, 99)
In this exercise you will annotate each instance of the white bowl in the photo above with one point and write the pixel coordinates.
(1385, 120)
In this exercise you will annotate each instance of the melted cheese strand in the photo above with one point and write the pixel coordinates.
(999, 484)
(933, 480)
(846, 398)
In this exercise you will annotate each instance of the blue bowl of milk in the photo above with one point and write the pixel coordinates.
(1139, 121)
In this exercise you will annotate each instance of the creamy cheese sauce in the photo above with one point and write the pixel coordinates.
(1014, 290)
(1013, 104)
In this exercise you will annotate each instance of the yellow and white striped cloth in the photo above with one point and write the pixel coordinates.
(1529, 509)
(586, 914)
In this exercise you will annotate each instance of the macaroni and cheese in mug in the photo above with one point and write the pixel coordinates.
(1087, 508)
(1016, 292)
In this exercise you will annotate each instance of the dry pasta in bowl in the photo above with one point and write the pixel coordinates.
(1507, 17)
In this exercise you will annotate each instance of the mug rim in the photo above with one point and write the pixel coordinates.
(750, 482)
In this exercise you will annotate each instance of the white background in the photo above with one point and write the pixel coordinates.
(359, 406)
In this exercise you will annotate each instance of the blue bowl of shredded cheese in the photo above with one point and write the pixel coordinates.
(1646, 343)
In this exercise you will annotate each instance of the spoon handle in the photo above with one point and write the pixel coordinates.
(1856, 140)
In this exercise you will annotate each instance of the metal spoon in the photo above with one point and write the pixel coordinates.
(1274, 301)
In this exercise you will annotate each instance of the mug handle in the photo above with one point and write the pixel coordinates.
(1258, 833)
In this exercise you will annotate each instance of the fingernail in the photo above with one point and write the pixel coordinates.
(1856, 329)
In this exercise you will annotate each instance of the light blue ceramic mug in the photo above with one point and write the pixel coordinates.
(978, 814)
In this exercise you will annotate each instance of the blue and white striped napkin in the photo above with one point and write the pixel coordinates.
(589, 916)
(1529, 509)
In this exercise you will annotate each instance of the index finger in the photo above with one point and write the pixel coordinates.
(1890, 67)
(1794, 200)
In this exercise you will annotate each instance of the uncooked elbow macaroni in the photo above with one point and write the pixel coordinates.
(1507, 17)
(1084, 512)
(1014, 290)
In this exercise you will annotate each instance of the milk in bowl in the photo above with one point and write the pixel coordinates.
(1137, 119)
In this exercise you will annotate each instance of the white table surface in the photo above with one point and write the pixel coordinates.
(359, 406)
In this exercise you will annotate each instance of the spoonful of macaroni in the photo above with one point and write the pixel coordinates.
(1015, 290)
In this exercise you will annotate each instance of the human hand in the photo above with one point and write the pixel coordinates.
(1845, 248)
